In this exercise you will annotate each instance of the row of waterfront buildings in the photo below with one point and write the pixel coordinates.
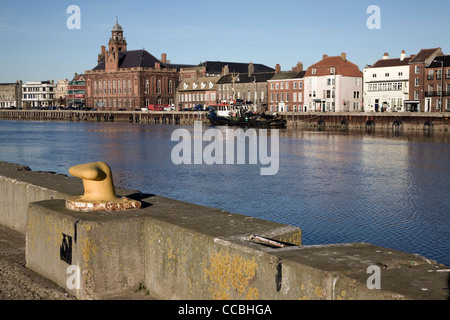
(134, 79)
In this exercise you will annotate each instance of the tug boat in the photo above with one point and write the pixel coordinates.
(242, 116)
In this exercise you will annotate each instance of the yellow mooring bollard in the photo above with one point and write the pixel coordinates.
(99, 192)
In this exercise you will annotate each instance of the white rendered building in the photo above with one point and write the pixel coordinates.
(37, 94)
(386, 84)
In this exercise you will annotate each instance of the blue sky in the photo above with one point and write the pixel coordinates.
(37, 45)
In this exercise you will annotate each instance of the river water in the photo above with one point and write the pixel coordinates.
(382, 188)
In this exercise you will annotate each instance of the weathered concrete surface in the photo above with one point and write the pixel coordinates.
(177, 250)
(184, 251)
(17, 282)
(111, 247)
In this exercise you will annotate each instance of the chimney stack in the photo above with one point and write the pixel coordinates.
(403, 55)
(225, 70)
(164, 58)
(386, 56)
(251, 69)
(325, 56)
(277, 68)
(344, 56)
(299, 67)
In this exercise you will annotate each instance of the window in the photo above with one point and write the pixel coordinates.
(109, 86)
(386, 74)
(447, 75)
(129, 89)
(374, 75)
(356, 94)
(448, 89)
(300, 85)
(417, 82)
(147, 86)
(170, 87)
(400, 74)
(282, 86)
(271, 85)
(295, 85)
(416, 95)
(430, 74)
(114, 86)
(439, 74)
(277, 85)
(294, 97)
(124, 87)
(417, 69)
(430, 90)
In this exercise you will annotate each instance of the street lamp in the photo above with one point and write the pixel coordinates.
(442, 84)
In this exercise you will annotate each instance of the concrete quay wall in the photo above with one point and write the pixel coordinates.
(397, 121)
(178, 250)
(150, 117)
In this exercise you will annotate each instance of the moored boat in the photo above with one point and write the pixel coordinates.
(241, 116)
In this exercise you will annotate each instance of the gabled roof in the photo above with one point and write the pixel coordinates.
(424, 54)
(254, 77)
(383, 63)
(285, 75)
(342, 67)
(215, 67)
(133, 59)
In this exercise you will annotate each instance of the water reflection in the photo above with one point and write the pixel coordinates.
(338, 186)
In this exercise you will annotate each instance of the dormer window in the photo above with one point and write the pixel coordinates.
(332, 71)
(314, 71)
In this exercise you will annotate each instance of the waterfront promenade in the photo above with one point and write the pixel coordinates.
(397, 121)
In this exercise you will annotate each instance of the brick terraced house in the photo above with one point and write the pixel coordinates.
(418, 80)
(437, 85)
(285, 90)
